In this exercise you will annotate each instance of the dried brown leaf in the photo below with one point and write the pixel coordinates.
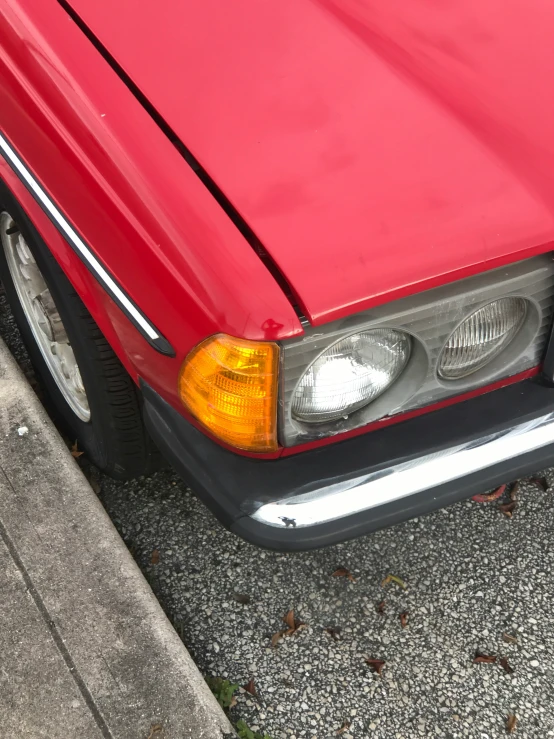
(489, 497)
(506, 665)
(511, 722)
(508, 508)
(241, 598)
(155, 557)
(541, 482)
(294, 624)
(484, 658)
(393, 578)
(514, 492)
(251, 688)
(380, 607)
(275, 638)
(345, 726)
(403, 619)
(289, 620)
(334, 632)
(343, 572)
(375, 664)
(509, 639)
(75, 451)
(155, 731)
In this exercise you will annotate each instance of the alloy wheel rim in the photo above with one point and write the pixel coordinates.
(43, 317)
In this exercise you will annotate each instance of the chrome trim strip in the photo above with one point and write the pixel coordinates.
(83, 251)
(378, 488)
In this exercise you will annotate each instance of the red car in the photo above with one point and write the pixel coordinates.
(305, 246)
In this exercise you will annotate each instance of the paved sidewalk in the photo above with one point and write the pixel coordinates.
(85, 649)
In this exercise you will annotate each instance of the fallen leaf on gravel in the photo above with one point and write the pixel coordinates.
(375, 664)
(509, 639)
(155, 731)
(289, 620)
(334, 632)
(74, 451)
(345, 726)
(489, 497)
(275, 638)
(343, 572)
(508, 508)
(251, 688)
(155, 558)
(393, 578)
(293, 624)
(241, 598)
(403, 619)
(380, 607)
(484, 658)
(511, 723)
(506, 665)
(514, 492)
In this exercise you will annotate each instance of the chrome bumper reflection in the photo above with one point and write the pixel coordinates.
(368, 491)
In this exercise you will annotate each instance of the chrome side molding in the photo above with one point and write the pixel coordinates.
(93, 264)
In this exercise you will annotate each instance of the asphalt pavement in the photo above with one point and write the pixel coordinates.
(479, 583)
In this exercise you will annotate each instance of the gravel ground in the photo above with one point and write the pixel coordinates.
(472, 575)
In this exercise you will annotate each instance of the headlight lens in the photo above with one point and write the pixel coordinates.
(350, 374)
(481, 337)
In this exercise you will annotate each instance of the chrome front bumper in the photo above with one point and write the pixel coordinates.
(336, 501)
(352, 487)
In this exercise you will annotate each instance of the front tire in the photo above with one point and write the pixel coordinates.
(88, 391)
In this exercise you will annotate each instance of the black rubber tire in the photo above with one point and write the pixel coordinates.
(115, 438)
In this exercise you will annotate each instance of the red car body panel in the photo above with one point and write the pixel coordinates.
(132, 197)
(375, 149)
(374, 152)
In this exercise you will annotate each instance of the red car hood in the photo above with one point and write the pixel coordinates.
(375, 148)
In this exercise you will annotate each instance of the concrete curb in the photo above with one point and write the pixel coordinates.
(86, 649)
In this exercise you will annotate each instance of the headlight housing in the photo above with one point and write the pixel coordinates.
(362, 369)
(351, 373)
(481, 337)
(430, 319)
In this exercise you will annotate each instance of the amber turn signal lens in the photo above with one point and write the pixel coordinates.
(230, 386)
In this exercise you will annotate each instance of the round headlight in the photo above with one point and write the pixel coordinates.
(350, 374)
(481, 337)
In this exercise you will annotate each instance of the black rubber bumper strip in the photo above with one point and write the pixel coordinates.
(82, 250)
(234, 486)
